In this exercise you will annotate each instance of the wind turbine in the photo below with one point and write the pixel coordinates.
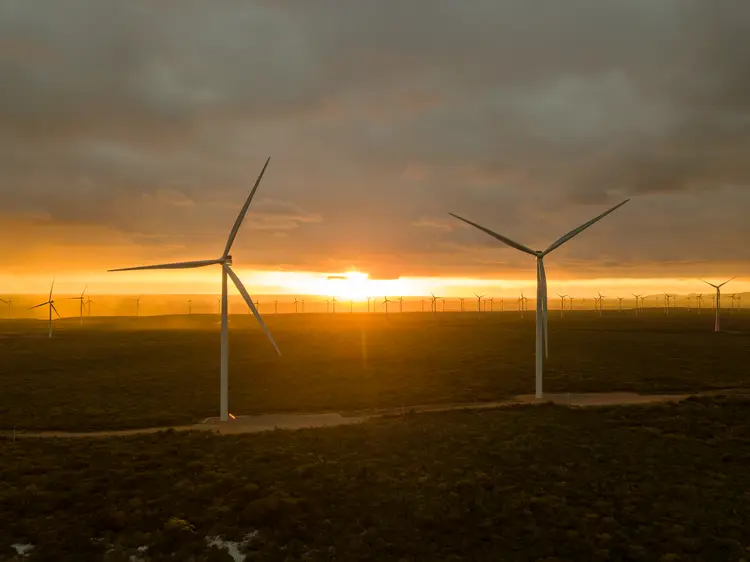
(190, 306)
(434, 299)
(328, 306)
(637, 309)
(385, 303)
(218, 305)
(718, 300)
(479, 302)
(138, 306)
(81, 301)
(492, 304)
(9, 302)
(733, 296)
(620, 303)
(88, 305)
(699, 298)
(666, 307)
(562, 304)
(225, 261)
(462, 303)
(400, 304)
(541, 309)
(334, 301)
(275, 307)
(51, 305)
(296, 307)
(368, 303)
(601, 302)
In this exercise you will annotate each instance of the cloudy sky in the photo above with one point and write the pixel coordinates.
(132, 131)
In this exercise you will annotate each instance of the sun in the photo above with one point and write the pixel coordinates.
(352, 285)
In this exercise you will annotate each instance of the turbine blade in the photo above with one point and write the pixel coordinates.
(500, 237)
(243, 212)
(38, 305)
(583, 227)
(84, 290)
(727, 281)
(241, 288)
(50, 289)
(707, 283)
(53, 308)
(176, 265)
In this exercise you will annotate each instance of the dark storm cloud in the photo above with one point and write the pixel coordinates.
(154, 118)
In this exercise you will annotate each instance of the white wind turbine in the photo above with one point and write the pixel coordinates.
(51, 305)
(562, 304)
(601, 302)
(541, 276)
(225, 261)
(666, 300)
(81, 301)
(9, 302)
(718, 300)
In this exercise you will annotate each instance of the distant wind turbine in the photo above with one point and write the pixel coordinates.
(601, 302)
(368, 303)
(637, 309)
(666, 307)
(138, 306)
(296, 305)
(89, 302)
(620, 303)
(9, 302)
(334, 301)
(81, 301)
(385, 303)
(479, 301)
(400, 304)
(51, 304)
(541, 309)
(718, 300)
(562, 304)
(434, 299)
(462, 303)
(699, 298)
(275, 307)
(225, 261)
(190, 306)
(492, 304)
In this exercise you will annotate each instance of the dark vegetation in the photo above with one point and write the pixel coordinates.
(666, 483)
(136, 372)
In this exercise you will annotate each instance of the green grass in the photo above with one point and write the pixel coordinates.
(664, 482)
(137, 372)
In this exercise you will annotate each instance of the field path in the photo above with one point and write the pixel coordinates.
(270, 422)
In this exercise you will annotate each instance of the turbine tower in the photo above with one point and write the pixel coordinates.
(296, 305)
(541, 276)
(434, 299)
(601, 302)
(718, 300)
(400, 304)
(462, 303)
(81, 301)
(699, 298)
(334, 301)
(620, 303)
(88, 305)
(51, 304)
(368, 303)
(138, 306)
(225, 261)
(479, 302)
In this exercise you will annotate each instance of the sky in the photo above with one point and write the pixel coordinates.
(131, 133)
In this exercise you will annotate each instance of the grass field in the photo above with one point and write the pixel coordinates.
(665, 483)
(136, 372)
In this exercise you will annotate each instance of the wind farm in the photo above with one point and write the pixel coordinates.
(267, 291)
